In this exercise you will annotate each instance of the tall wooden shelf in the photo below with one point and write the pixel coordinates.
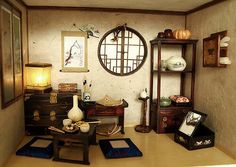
(167, 119)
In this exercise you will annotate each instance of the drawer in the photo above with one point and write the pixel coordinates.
(45, 109)
(169, 121)
(45, 120)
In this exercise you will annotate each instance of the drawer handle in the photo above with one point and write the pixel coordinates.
(164, 119)
(36, 116)
(53, 115)
(63, 107)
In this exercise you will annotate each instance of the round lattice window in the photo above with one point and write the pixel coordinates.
(122, 51)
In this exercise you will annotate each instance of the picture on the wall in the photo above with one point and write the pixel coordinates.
(74, 51)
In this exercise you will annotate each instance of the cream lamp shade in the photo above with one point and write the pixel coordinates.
(38, 76)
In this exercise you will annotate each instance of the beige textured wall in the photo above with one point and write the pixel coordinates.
(215, 87)
(12, 117)
(45, 45)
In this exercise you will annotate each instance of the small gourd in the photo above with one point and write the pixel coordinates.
(182, 34)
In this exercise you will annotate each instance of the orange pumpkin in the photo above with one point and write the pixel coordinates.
(182, 34)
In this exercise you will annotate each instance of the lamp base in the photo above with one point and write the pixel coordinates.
(39, 91)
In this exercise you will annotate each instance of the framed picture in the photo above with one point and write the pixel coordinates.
(74, 51)
(191, 121)
(11, 55)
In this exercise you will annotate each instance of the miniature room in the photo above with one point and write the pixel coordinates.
(130, 83)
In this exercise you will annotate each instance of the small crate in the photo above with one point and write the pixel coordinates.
(192, 134)
(203, 137)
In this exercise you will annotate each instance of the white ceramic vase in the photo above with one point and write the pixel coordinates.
(176, 63)
(75, 114)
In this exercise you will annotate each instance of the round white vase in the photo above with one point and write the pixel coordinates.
(75, 114)
(176, 63)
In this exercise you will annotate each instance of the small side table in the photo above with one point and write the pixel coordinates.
(143, 128)
(86, 139)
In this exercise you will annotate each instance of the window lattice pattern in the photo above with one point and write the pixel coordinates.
(122, 53)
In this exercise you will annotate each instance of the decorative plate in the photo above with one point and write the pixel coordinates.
(76, 128)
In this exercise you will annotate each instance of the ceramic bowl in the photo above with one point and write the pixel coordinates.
(84, 127)
(67, 122)
(165, 102)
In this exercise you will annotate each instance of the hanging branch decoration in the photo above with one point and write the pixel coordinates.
(90, 29)
(117, 31)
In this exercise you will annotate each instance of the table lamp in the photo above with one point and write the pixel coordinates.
(38, 77)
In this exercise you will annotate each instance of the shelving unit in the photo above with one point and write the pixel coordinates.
(168, 119)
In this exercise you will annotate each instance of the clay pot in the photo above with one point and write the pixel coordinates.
(168, 33)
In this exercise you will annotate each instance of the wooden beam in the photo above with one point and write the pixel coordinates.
(119, 10)
(206, 5)
(22, 3)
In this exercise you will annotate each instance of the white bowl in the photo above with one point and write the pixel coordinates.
(67, 122)
(84, 127)
(225, 60)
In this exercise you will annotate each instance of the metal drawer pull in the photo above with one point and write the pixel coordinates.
(36, 116)
(53, 115)
(164, 119)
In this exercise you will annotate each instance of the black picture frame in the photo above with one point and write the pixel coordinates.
(191, 122)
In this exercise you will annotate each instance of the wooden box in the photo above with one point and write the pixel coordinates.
(67, 87)
(192, 134)
(202, 138)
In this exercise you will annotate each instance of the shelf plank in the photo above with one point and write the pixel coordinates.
(171, 107)
(168, 71)
(173, 41)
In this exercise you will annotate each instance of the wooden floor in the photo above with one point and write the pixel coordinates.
(158, 151)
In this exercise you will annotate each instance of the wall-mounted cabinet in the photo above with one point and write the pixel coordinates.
(168, 119)
(214, 49)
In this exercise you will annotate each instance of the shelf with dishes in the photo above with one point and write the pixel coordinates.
(215, 50)
(172, 72)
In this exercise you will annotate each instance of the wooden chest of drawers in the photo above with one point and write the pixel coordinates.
(41, 113)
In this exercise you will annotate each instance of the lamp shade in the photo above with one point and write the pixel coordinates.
(38, 76)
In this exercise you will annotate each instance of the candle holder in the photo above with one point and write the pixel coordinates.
(143, 128)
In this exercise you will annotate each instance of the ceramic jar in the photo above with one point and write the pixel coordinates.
(75, 114)
(176, 63)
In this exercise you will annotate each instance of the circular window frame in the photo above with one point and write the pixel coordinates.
(115, 30)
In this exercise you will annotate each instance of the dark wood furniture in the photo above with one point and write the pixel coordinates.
(212, 51)
(40, 113)
(75, 139)
(143, 128)
(104, 111)
(168, 119)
